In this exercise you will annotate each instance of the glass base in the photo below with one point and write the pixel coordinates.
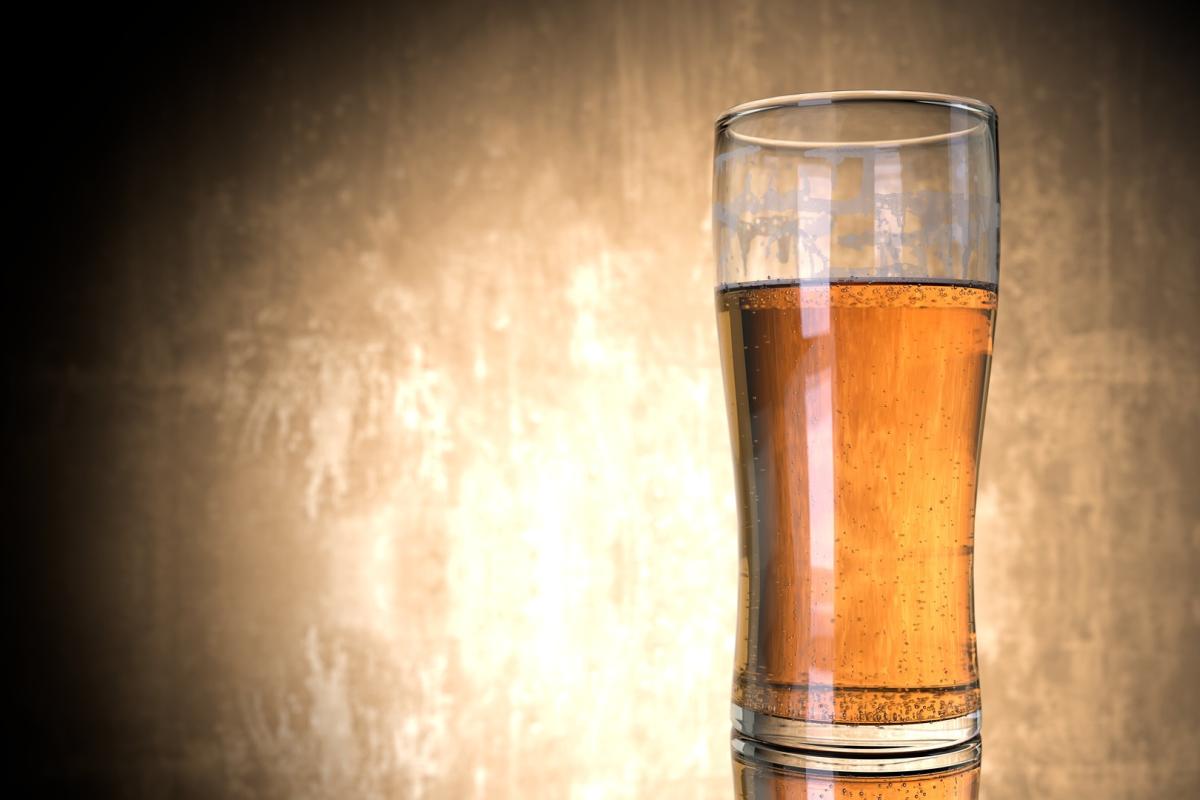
(856, 740)
(877, 765)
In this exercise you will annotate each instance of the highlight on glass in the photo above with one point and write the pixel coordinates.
(857, 241)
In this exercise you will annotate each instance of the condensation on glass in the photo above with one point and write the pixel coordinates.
(856, 238)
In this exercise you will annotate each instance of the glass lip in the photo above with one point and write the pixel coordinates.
(983, 111)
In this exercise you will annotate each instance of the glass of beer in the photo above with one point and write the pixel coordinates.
(857, 243)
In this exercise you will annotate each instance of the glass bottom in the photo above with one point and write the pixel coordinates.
(761, 756)
(856, 740)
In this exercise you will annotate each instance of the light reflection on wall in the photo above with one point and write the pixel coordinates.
(538, 445)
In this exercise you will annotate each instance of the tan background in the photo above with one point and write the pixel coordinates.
(375, 433)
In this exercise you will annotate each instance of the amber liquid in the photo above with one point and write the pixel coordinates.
(762, 782)
(855, 412)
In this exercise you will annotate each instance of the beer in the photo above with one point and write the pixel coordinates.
(855, 412)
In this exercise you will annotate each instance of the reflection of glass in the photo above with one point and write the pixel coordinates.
(856, 238)
(764, 773)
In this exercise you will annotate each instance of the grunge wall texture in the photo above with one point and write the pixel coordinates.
(364, 416)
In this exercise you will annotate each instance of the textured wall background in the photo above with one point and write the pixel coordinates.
(365, 406)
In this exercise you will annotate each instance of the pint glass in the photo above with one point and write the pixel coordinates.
(856, 238)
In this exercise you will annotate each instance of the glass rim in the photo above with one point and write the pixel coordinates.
(985, 113)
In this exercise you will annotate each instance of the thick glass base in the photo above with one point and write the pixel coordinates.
(763, 757)
(856, 740)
